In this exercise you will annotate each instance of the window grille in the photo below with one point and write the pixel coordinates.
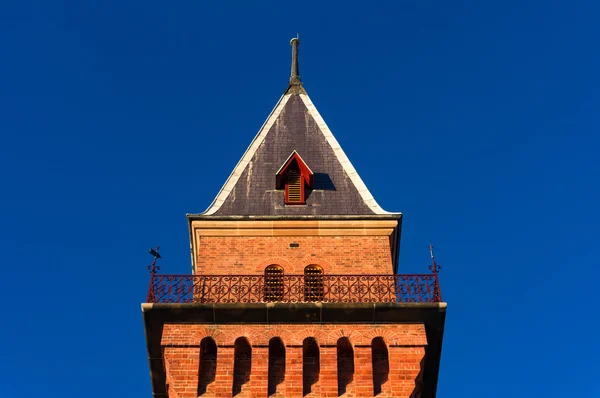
(313, 283)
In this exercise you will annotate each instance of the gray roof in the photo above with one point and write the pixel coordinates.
(294, 124)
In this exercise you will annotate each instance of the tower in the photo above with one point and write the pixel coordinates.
(294, 290)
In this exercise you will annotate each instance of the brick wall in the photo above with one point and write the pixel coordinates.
(335, 254)
(293, 360)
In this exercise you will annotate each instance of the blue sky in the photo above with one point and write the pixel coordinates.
(477, 120)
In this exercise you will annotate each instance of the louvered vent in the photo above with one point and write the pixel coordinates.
(294, 187)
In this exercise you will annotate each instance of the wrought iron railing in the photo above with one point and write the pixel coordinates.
(418, 288)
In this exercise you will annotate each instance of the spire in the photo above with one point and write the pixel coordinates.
(295, 85)
(294, 126)
(295, 77)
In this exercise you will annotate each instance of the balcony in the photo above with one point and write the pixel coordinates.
(222, 289)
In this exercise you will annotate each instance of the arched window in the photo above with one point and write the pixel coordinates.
(381, 364)
(208, 364)
(313, 283)
(276, 365)
(273, 283)
(345, 364)
(311, 364)
(242, 364)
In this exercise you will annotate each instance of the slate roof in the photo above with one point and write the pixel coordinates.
(294, 124)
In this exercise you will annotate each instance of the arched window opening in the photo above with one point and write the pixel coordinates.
(276, 365)
(208, 364)
(381, 364)
(242, 364)
(273, 283)
(313, 283)
(345, 364)
(311, 365)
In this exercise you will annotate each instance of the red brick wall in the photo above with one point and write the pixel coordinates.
(335, 254)
(405, 348)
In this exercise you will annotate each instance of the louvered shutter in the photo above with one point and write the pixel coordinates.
(294, 187)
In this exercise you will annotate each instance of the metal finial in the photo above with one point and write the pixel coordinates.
(295, 77)
(153, 267)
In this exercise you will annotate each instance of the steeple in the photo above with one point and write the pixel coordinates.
(295, 85)
(295, 77)
(255, 188)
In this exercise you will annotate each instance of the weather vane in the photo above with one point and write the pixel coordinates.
(435, 268)
(153, 267)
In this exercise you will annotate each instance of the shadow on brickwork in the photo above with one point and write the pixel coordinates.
(381, 364)
(419, 381)
(242, 364)
(276, 365)
(208, 364)
(311, 365)
(345, 363)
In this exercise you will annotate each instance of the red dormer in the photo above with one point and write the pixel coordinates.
(294, 176)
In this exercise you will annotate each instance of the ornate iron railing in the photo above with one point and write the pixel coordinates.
(417, 288)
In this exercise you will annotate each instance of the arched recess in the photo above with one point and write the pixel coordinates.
(313, 283)
(208, 364)
(242, 364)
(311, 364)
(276, 365)
(345, 364)
(381, 364)
(273, 282)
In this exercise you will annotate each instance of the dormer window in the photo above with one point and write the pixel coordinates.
(294, 176)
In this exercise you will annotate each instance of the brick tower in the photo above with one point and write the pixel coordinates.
(294, 290)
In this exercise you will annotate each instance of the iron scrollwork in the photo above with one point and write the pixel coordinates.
(218, 289)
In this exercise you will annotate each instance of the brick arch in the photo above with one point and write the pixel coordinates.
(288, 267)
(306, 261)
(254, 337)
(292, 337)
(310, 332)
(389, 337)
(278, 332)
(209, 331)
(353, 336)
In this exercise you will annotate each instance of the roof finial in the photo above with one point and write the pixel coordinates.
(295, 77)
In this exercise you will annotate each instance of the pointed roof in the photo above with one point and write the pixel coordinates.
(305, 171)
(294, 156)
(294, 125)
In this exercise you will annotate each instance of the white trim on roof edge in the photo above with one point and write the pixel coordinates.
(342, 158)
(249, 154)
(260, 137)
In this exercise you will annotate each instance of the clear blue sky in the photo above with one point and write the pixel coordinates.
(478, 120)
